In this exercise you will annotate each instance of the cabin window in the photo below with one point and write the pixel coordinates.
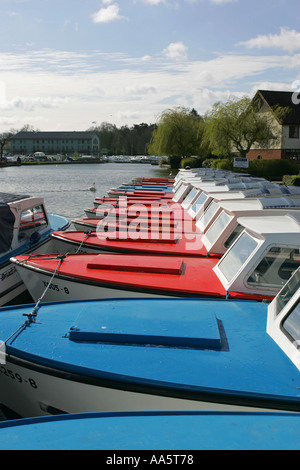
(233, 236)
(179, 192)
(217, 227)
(32, 220)
(291, 324)
(287, 291)
(190, 197)
(239, 253)
(208, 213)
(294, 132)
(276, 268)
(199, 203)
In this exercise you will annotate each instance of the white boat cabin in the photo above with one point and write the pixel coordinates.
(263, 257)
(22, 220)
(225, 227)
(283, 323)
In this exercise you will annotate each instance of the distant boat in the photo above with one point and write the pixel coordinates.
(152, 354)
(25, 227)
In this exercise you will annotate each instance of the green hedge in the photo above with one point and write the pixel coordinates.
(273, 169)
(270, 169)
(291, 180)
(223, 163)
(192, 162)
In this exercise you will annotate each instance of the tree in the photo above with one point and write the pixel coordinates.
(236, 126)
(4, 139)
(178, 133)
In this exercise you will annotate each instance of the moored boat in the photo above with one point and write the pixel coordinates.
(255, 266)
(152, 354)
(214, 242)
(25, 227)
(155, 430)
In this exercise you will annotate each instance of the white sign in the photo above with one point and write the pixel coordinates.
(240, 162)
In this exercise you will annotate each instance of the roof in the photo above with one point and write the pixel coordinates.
(55, 135)
(285, 224)
(283, 99)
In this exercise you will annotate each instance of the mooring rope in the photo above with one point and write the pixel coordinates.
(33, 314)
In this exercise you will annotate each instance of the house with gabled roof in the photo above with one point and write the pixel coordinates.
(51, 143)
(284, 111)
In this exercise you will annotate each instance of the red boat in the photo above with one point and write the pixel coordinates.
(141, 193)
(92, 242)
(91, 276)
(255, 266)
(137, 224)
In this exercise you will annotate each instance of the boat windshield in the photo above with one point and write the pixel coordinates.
(239, 253)
(7, 220)
(276, 268)
(32, 220)
(287, 291)
(208, 213)
(291, 324)
(188, 199)
(233, 236)
(214, 232)
(199, 203)
(179, 192)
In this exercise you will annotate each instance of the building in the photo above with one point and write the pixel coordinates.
(286, 126)
(53, 143)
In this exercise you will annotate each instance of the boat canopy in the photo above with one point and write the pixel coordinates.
(264, 256)
(7, 220)
(283, 324)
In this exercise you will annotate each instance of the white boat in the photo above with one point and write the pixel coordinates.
(225, 228)
(152, 354)
(25, 227)
(213, 242)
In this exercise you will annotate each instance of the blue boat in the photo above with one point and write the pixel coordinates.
(151, 354)
(154, 430)
(25, 227)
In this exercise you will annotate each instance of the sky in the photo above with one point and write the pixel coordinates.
(74, 64)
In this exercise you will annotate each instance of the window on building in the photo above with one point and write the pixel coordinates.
(294, 132)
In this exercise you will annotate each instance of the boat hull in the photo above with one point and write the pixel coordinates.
(29, 391)
(64, 289)
(11, 283)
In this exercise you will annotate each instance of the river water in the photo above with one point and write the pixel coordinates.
(65, 188)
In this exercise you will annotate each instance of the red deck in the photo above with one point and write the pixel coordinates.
(171, 246)
(137, 225)
(196, 277)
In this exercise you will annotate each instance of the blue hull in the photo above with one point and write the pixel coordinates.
(156, 430)
(200, 350)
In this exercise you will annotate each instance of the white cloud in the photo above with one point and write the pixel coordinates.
(31, 103)
(153, 2)
(288, 40)
(176, 51)
(57, 90)
(223, 1)
(108, 14)
(140, 89)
